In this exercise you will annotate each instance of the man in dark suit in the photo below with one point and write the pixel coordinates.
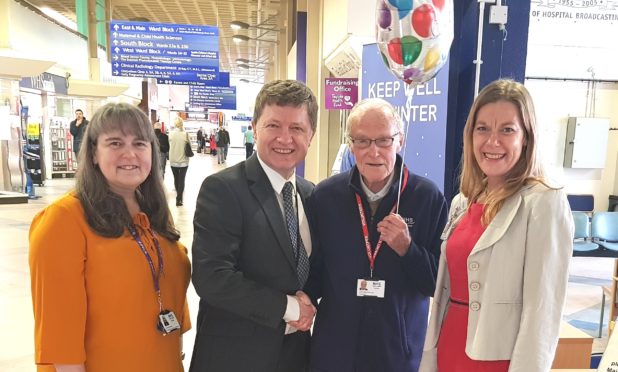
(252, 242)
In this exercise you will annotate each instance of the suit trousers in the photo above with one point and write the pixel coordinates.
(294, 345)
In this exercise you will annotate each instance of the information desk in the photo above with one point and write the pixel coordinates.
(574, 348)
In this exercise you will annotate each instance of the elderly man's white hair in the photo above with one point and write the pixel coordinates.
(373, 104)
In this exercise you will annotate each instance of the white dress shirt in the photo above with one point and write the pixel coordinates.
(292, 312)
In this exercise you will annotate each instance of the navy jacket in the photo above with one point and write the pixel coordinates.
(357, 334)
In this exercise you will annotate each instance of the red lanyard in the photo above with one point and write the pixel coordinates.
(372, 255)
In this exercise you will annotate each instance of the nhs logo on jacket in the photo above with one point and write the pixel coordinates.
(409, 221)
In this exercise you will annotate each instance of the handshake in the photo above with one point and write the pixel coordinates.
(307, 312)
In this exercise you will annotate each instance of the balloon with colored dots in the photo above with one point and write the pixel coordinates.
(414, 37)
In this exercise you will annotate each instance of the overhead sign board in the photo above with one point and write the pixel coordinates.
(224, 81)
(187, 53)
(222, 98)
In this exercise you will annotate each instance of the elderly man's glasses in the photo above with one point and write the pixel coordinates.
(380, 142)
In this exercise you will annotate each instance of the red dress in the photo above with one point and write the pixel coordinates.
(452, 355)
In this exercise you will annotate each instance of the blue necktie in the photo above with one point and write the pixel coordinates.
(291, 217)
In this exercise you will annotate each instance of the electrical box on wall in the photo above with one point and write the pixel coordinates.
(586, 142)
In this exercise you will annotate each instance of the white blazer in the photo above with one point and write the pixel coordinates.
(517, 277)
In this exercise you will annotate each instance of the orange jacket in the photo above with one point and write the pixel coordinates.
(94, 299)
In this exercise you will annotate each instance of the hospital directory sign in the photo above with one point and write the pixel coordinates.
(220, 98)
(185, 53)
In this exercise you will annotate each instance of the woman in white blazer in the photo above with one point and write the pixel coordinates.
(506, 248)
(179, 162)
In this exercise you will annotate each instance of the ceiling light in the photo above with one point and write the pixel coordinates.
(59, 18)
(239, 25)
(243, 38)
(246, 67)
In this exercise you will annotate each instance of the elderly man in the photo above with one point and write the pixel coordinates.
(375, 262)
(251, 245)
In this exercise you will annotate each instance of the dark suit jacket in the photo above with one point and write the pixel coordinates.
(243, 267)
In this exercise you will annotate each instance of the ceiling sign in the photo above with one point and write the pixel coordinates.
(222, 98)
(168, 52)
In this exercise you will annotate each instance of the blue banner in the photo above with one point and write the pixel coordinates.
(222, 98)
(186, 53)
(425, 113)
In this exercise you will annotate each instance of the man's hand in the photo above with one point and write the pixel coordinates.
(307, 312)
(394, 232)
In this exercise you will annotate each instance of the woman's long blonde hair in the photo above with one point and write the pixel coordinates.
(527, 170)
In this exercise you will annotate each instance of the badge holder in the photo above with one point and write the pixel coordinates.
(168, 322)
(370, 288)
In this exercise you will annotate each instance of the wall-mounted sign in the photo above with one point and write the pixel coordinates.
(573, 39)
(186, 53)
(45, 82)
(223, 98)
(241, 117)
(341, 93)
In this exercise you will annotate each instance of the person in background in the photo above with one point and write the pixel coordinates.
(77, 129)
(251, 245)
(97, 255)
(222, 138)
(248, 136)
(227, 142)
(506, 251)
(164, 146)
(375, 256)
(347, 161)
(200, 140)
(179, 161)
(213, 145)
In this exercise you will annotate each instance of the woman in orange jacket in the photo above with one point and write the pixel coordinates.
(108, 274)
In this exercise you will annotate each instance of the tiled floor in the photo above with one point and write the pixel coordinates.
(16, 323)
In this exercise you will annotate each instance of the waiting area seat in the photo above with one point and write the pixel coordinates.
(596, 237)
(582, 240)
(605, 230)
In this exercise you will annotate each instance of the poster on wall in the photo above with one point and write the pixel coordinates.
(573, 39)
(425, 112)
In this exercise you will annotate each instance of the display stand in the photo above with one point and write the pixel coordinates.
(63, 164)
(32, 154)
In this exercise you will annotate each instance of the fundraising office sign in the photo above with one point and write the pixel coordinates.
(341, 93)
(171, 52)
(425, 112)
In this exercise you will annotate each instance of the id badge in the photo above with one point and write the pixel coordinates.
(370, 288)
(167, 322)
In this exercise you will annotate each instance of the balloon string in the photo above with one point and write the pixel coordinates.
(405, 146)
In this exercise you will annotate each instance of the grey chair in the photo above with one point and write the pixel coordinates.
(605, 230)
(582, 242)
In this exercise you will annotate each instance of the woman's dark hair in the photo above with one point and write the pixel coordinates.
(106, 211)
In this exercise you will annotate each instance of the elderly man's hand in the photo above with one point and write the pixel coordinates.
(307, 312)
(394, 232)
